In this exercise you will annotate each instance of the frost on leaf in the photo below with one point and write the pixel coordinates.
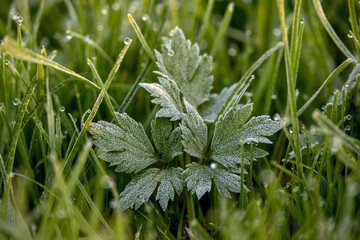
(180, 60)
(167, 140)
(126, 146)
(167, 95)
(226, 182)
(194, 132)
(231, 128)
(142, 186)
(198, 179)
(170, 180)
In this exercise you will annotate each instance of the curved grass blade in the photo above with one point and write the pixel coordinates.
(95, 108)
(25, 54)
(331, 31)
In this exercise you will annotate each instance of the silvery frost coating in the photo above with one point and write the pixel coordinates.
(181, 61)
(185, 82)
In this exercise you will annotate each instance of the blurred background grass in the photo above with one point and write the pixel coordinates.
(277, 208)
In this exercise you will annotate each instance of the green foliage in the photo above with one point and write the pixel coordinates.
(180, 61)
(166, 140)
(143, 185)
(230, 129)
(125, 146)
(202, 162)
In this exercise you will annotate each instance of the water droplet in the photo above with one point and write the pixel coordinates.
(13, 13)
(302, 21)
(252, 77)
(295, 189)
(16, 101)
(105, 11)
(277, 32)
(62, 109)
(171, 52)
(7, 62)
(232, 51)
(115, 6)
(348, 117)
(53, 55)
(347, 85)
(273, 97)
(291, 131)
(267, 177)
(100, 27)
(305, 196)
(60, 213)
(249, 94)
(277, 117)
(145, 17)
(19, 19)
(347, 128)
(213, 166)
(350, 35)
(172, 32)
(68, 35)
(107, 182)
(114, 204)
(84, 115)
(127, 40)
(336, 91)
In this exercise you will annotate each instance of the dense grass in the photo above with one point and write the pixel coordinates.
(54, 186)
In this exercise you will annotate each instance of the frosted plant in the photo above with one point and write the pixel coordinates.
(217, 142)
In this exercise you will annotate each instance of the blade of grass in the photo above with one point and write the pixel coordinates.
(331, 31)
(95, 108)
(92, 43)
(354, 23)
(291, 90)
(125, 103)
(18, 123)
(336, 72)
(246, 77)
(27, 55)
(206, 20)
(332, 130)
(224, 25)
(141, 37)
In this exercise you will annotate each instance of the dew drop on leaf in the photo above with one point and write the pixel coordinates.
(145, 17)
(171, 52)
(16, 101)
(127, 40)
(104, 11)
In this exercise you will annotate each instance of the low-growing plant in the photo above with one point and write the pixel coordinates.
(187, 150)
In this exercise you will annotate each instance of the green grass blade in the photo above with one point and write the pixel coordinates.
(224, 25)
(331, 31)
(336, 72)
(27, 55)
(141, 38)
(354, 23)
(291, 89)
(95, 108)
(246, 77)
